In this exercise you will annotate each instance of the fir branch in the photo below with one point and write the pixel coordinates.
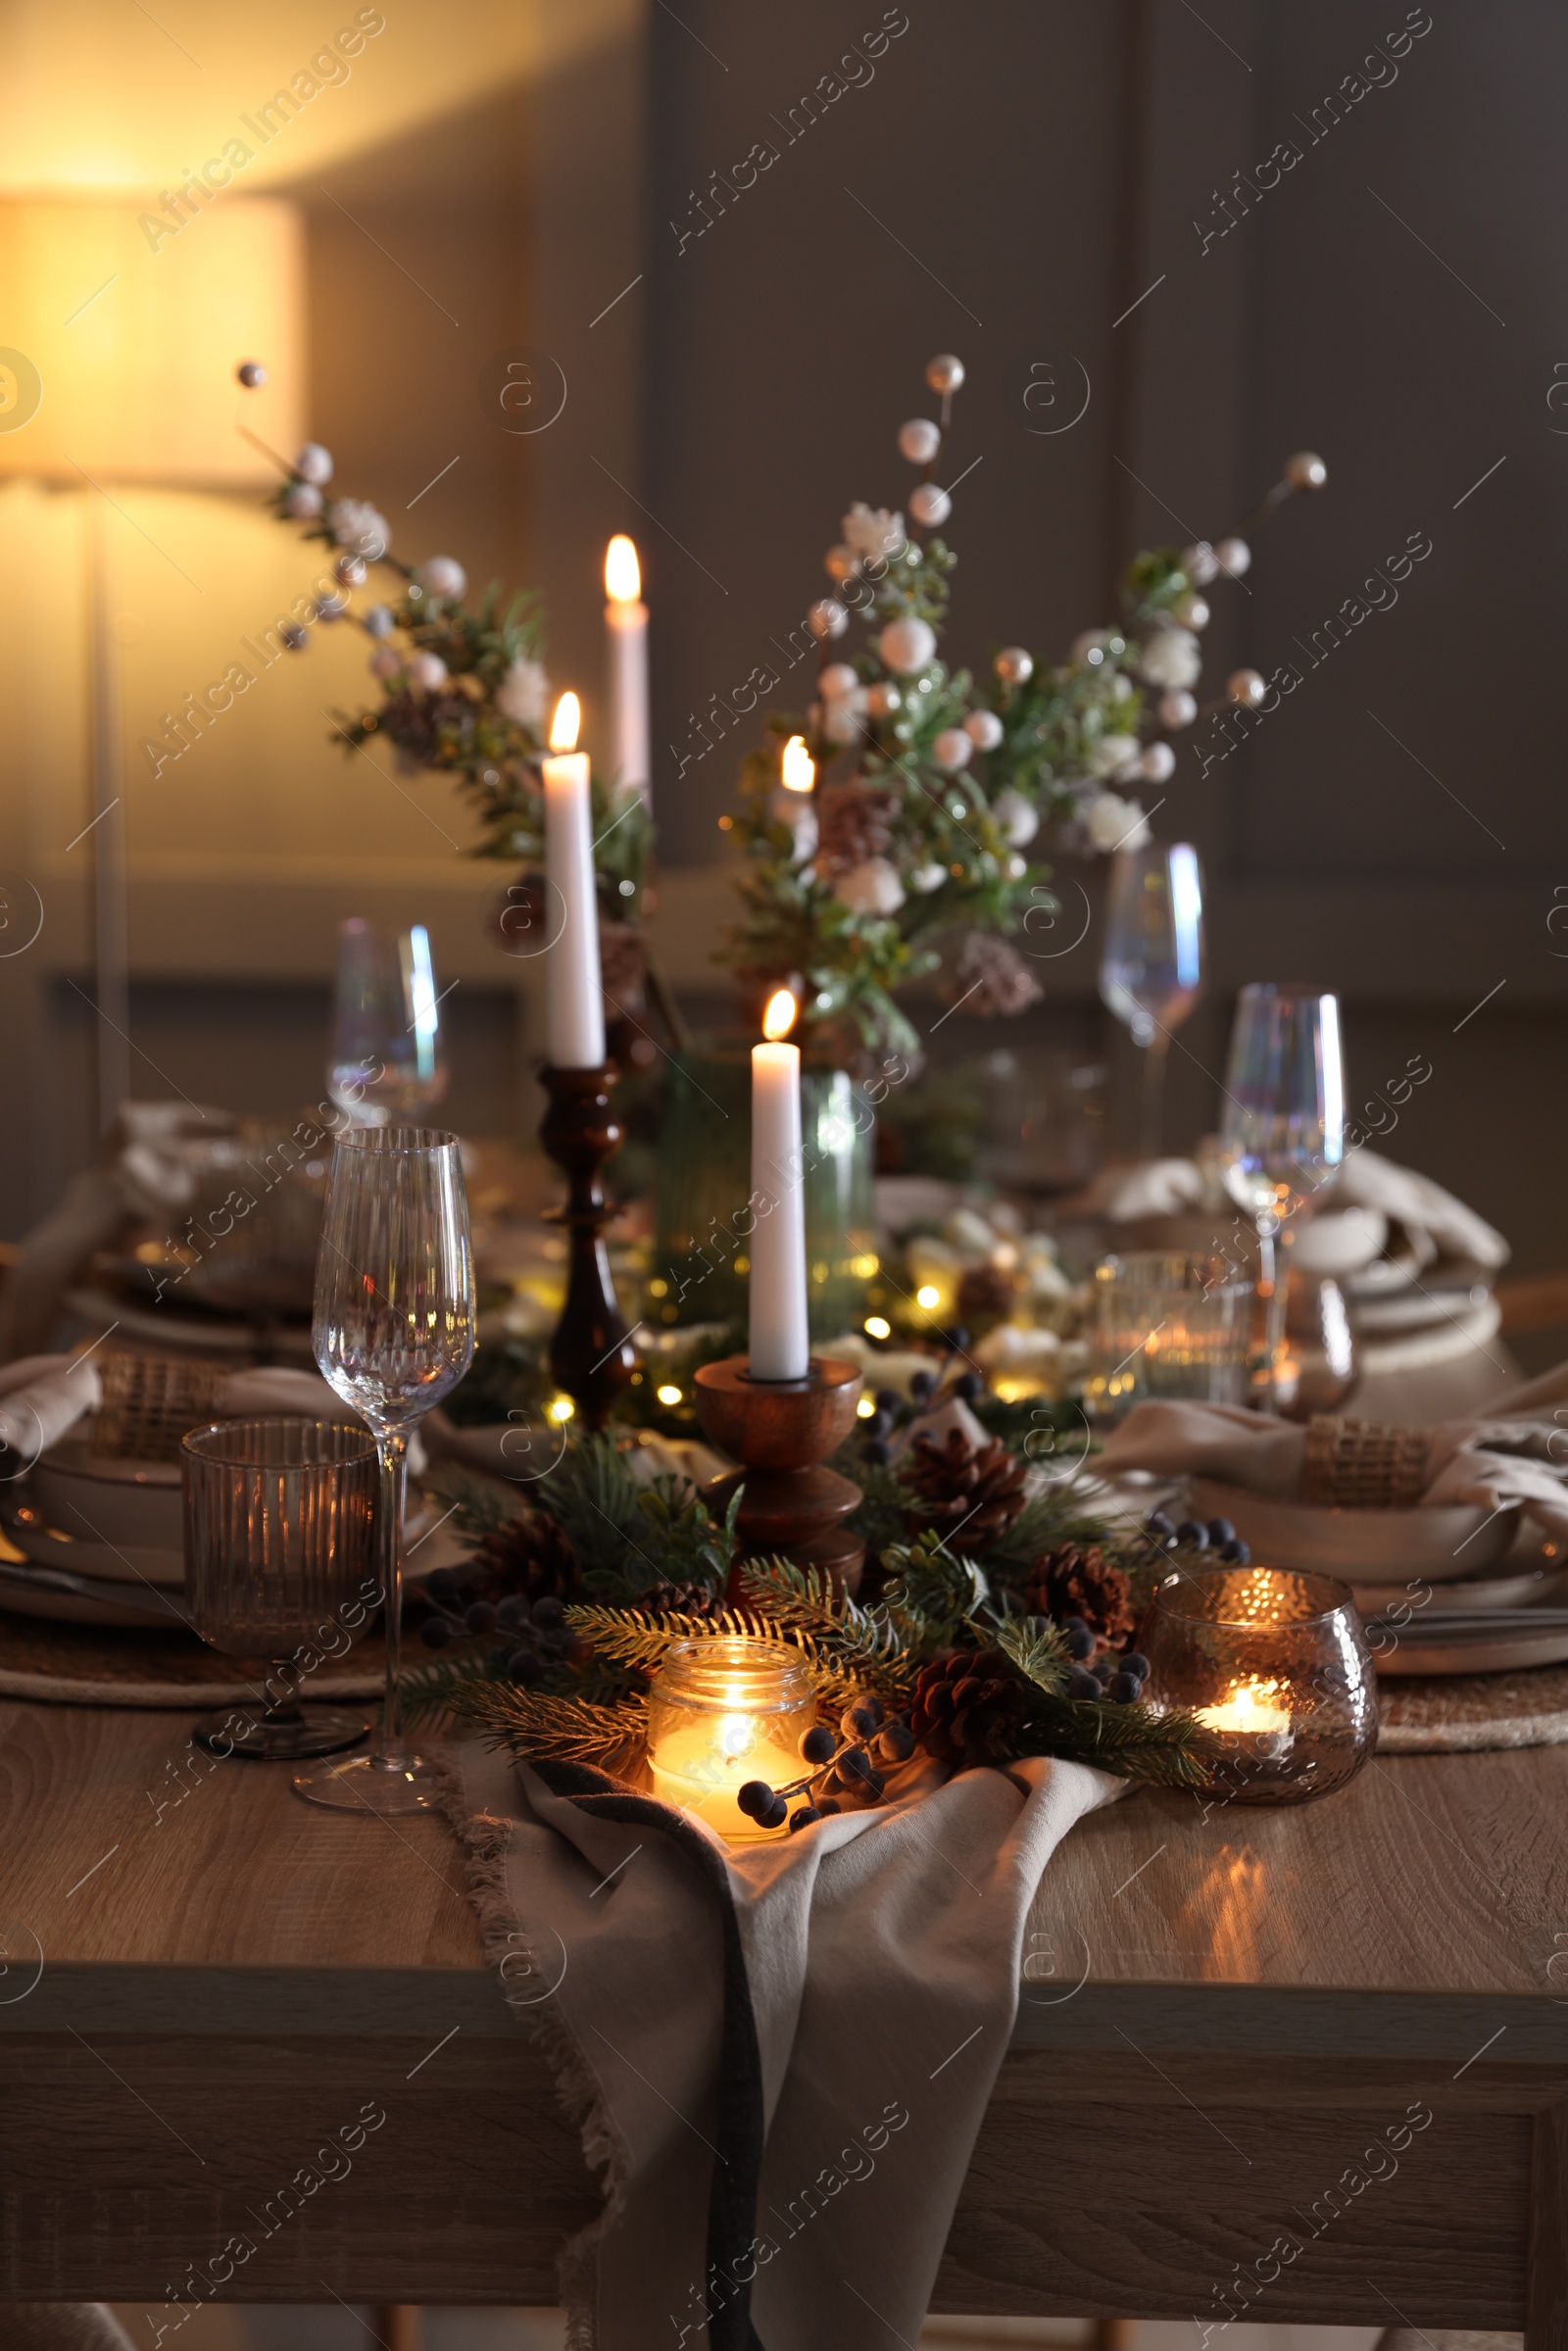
(1037, 1647)
(551, 1726)
(1135, 1742)
(594, 1499)
(427, 1691)
(933, 1593)
(475, 1505)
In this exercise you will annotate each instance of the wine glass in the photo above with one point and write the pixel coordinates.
(1151, 969)
(1284, 1125)
(393, 1331)
(388, 1058)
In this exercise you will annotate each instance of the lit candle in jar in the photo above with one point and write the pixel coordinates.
(780, 1347)
(722, 1712)
(574, 1012)
(626, 637)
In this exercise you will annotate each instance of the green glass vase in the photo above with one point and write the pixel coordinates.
(704, 1181)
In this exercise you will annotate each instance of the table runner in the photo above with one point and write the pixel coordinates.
(779, 2056)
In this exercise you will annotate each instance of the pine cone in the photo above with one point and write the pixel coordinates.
(682, 1600)
(530, 1555)
(978, 1489)
(968, 1708)
(854, 823)
(1071, 1582)
(986, 1296)
(992, 978)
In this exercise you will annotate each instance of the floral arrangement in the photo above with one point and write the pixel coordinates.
(898, 809)
(463, 693)
(1020, 1643)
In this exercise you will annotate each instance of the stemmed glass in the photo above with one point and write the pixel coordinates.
(1284, 1125)
(388, 1057)
(1151, 967)
(393, 1331)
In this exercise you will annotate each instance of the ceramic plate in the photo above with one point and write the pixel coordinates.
(1490, 1652)
(1443, 1546)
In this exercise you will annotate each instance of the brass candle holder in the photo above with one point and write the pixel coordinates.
(782, 1431)
(591, 1356)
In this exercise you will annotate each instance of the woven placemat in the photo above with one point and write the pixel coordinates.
(91, 1665)
(1432, 1714)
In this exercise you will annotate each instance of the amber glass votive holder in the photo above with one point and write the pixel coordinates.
(723, 1711)
(1276, 1664)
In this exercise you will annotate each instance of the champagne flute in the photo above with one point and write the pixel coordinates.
(1284, 1125)
(1151, 969)
(393, 1331)
(388, 1058)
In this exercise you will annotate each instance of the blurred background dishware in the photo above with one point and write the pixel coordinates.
(1167, 1325)
(394, 1332)
(1041, 1123)
(388, 1058)
(280, 1563)
(1276, 1665)
(1152, 964)
(1282, 1129)
(1428, 1543)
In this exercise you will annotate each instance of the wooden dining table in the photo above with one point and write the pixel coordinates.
(1299, 2064)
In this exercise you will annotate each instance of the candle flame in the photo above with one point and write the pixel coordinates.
(623, 582)
(799, 769)
(565, 722)
(779, 1018)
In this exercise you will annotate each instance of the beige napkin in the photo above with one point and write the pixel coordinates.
(1497, 1463)
(779, 2056)
(140, 1173)
(1436, 1224)
(43, 1397)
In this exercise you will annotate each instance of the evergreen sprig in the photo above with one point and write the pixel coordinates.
(545, 1725)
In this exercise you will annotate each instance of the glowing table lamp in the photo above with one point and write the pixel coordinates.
(124, 324)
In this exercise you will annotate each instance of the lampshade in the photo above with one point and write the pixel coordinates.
(127, 334)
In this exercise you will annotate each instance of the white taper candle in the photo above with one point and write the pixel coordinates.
(780, 1346)
(626, 642)
(574, 1012)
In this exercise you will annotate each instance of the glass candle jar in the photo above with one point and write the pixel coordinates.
(1276, 1665)
(722, 1712)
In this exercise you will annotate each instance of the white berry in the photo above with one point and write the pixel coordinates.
(953, 748)
(1190, 611)
(1234, 557)
(836, 679)
(907, 645)
(426, 672)
(944, 373)
(444, 576)
(1158, 764)
(984, 729)
(314, 464)
(1179, 708)
(827, 617)
(919, 440)
(1200, 563)
(930, 504)
(1245, 687)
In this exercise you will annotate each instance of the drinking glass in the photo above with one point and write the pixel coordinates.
(1167, 1325)
(388, 1059)
(1283, 1128)
(393, 1331)
(1151, 967)
(279, 1561)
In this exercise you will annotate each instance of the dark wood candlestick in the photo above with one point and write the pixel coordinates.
(782, 1431)
(590, 1354)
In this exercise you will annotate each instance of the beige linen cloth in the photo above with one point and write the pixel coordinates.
(779, 2056)
(43, 1397)
(1496, 1462)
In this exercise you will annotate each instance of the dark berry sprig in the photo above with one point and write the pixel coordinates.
(1192, 1534)
(543, 1635)
(842, 1763)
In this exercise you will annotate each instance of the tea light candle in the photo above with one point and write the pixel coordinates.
(779, 1343)
(627, 640)
(1252, 1710)
(722, 1712)
(574, 1010)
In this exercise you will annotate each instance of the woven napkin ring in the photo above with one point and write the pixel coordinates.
(1363, 1464)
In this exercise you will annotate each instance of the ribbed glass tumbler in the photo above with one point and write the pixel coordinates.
(281, 1563)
